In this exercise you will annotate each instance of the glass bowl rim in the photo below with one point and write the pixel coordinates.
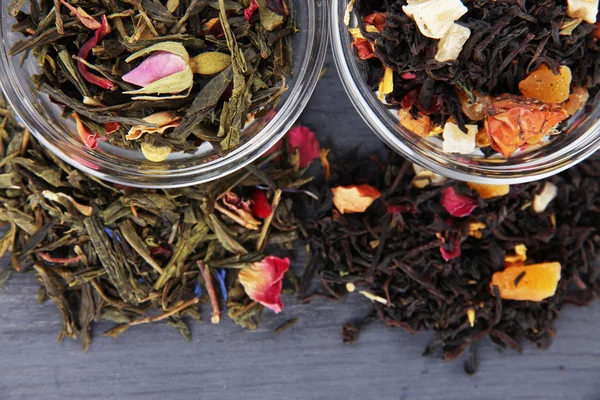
(305, 82)
(372, 113)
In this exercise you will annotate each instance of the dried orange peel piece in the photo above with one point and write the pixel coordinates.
(527, 283)
(421, 125)
(542, 84)
(489, 191)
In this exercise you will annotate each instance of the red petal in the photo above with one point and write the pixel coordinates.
(412, 99)
(364, 48)
(47, 257)
(306, 142)
(111, 127)
(85, 51)
(263, 281)
(260, 204)
(376, 19)
(399, 209)
(452, 253)
(251, 10)
(457, 204)
(87, 136)
(408, 76)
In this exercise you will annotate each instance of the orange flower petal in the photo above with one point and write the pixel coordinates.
(354, 199)
(489, 191)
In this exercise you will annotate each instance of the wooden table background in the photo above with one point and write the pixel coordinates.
(307, 361)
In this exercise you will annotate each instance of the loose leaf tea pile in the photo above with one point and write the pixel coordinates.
(475, 69)
(106, 252)
(446, 256)
(160, 76)
(467, 261)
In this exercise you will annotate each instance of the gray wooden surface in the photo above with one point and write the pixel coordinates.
(306, 362)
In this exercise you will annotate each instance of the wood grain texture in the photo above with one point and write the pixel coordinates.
(306, 362)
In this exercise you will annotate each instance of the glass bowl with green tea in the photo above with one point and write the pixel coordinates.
(489, 91)
(157, 93)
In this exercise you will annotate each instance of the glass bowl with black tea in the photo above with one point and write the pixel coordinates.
(157, 93)
(488, 91)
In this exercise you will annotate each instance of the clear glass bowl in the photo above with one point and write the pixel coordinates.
(579, 139)
(129, 167)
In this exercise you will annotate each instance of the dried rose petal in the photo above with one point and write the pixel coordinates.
(85, 51)
(87, 20)
(251, 10)
(214, 27)
(306, 142)
(238, 210)
(111, 127)
(376, 19)
(165, 120)
(457, 204)
(263, 281)
(260, 204)
(87, 136)
(453, 251)
(159, 65)
(354, 199)
(364, 48)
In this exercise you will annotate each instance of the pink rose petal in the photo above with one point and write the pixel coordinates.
(306, 142)
(251, 10)
(263, 281)
(159, 65)
(457, 204)
(454, 252)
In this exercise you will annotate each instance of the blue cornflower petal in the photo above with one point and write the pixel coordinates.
(198, 289)
(221, 278)
(109, 232)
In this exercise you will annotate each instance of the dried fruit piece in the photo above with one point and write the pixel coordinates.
(457, 141)
(473, 106)
(420, 126)
(354, 199)
(587, 10)
(542, 84)
(476, 228)
(424, 177)
(489, 191)
(451, 44)
(541, 200)
(514, 121)
(519, 257)
(434, 17)
(577, 100)
(528, 283)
